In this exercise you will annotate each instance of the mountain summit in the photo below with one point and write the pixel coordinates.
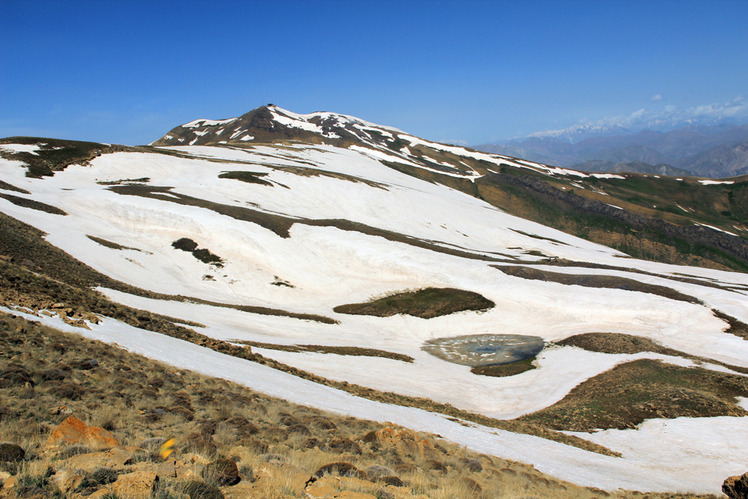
(270, 123)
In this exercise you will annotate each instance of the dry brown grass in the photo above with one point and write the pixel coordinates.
(140, 399)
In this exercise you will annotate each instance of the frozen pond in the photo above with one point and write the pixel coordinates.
(484, 349)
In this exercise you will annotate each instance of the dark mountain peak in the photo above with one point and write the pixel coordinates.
(270, 123)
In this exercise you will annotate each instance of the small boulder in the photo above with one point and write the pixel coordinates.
(69, 479)
(136, 485)
(10, 453)
(736, 487)
(474, 465)
(73, 431)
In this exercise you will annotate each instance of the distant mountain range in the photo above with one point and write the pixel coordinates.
(705, 150)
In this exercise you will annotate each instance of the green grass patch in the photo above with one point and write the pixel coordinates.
(425, 303)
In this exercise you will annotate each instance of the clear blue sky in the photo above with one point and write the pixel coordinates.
(128, 71)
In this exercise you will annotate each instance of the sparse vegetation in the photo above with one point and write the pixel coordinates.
(501, 370)
(248, 177)
(202, 254)
(57, 154)
(142, 180)
(425, 303)
(625, 343)
(276, 447)
(594, 281)
(109, 244)
(10, 187)
(337, 350)
(629, 393)
(33, 204)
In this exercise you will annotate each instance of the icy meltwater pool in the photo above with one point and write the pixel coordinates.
(485, 349)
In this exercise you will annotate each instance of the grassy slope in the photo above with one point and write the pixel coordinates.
(46, 375)
(651, 226)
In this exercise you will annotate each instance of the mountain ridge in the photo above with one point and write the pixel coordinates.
(709, 151)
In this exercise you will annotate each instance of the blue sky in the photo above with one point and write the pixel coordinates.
(127, 72)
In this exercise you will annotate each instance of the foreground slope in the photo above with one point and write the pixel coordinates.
(275, 244)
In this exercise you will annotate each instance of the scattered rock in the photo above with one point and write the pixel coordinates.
(474, 465)
(136, 485)
(341, 469)
(69, 479)
(223, 472)
(403, 440)
(736, 487)
(11, 453)
(73, 431)
(93, 481)
(112, 458)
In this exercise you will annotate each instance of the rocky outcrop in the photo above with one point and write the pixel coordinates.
(73, 431)
(403, 441)
(736, 487)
